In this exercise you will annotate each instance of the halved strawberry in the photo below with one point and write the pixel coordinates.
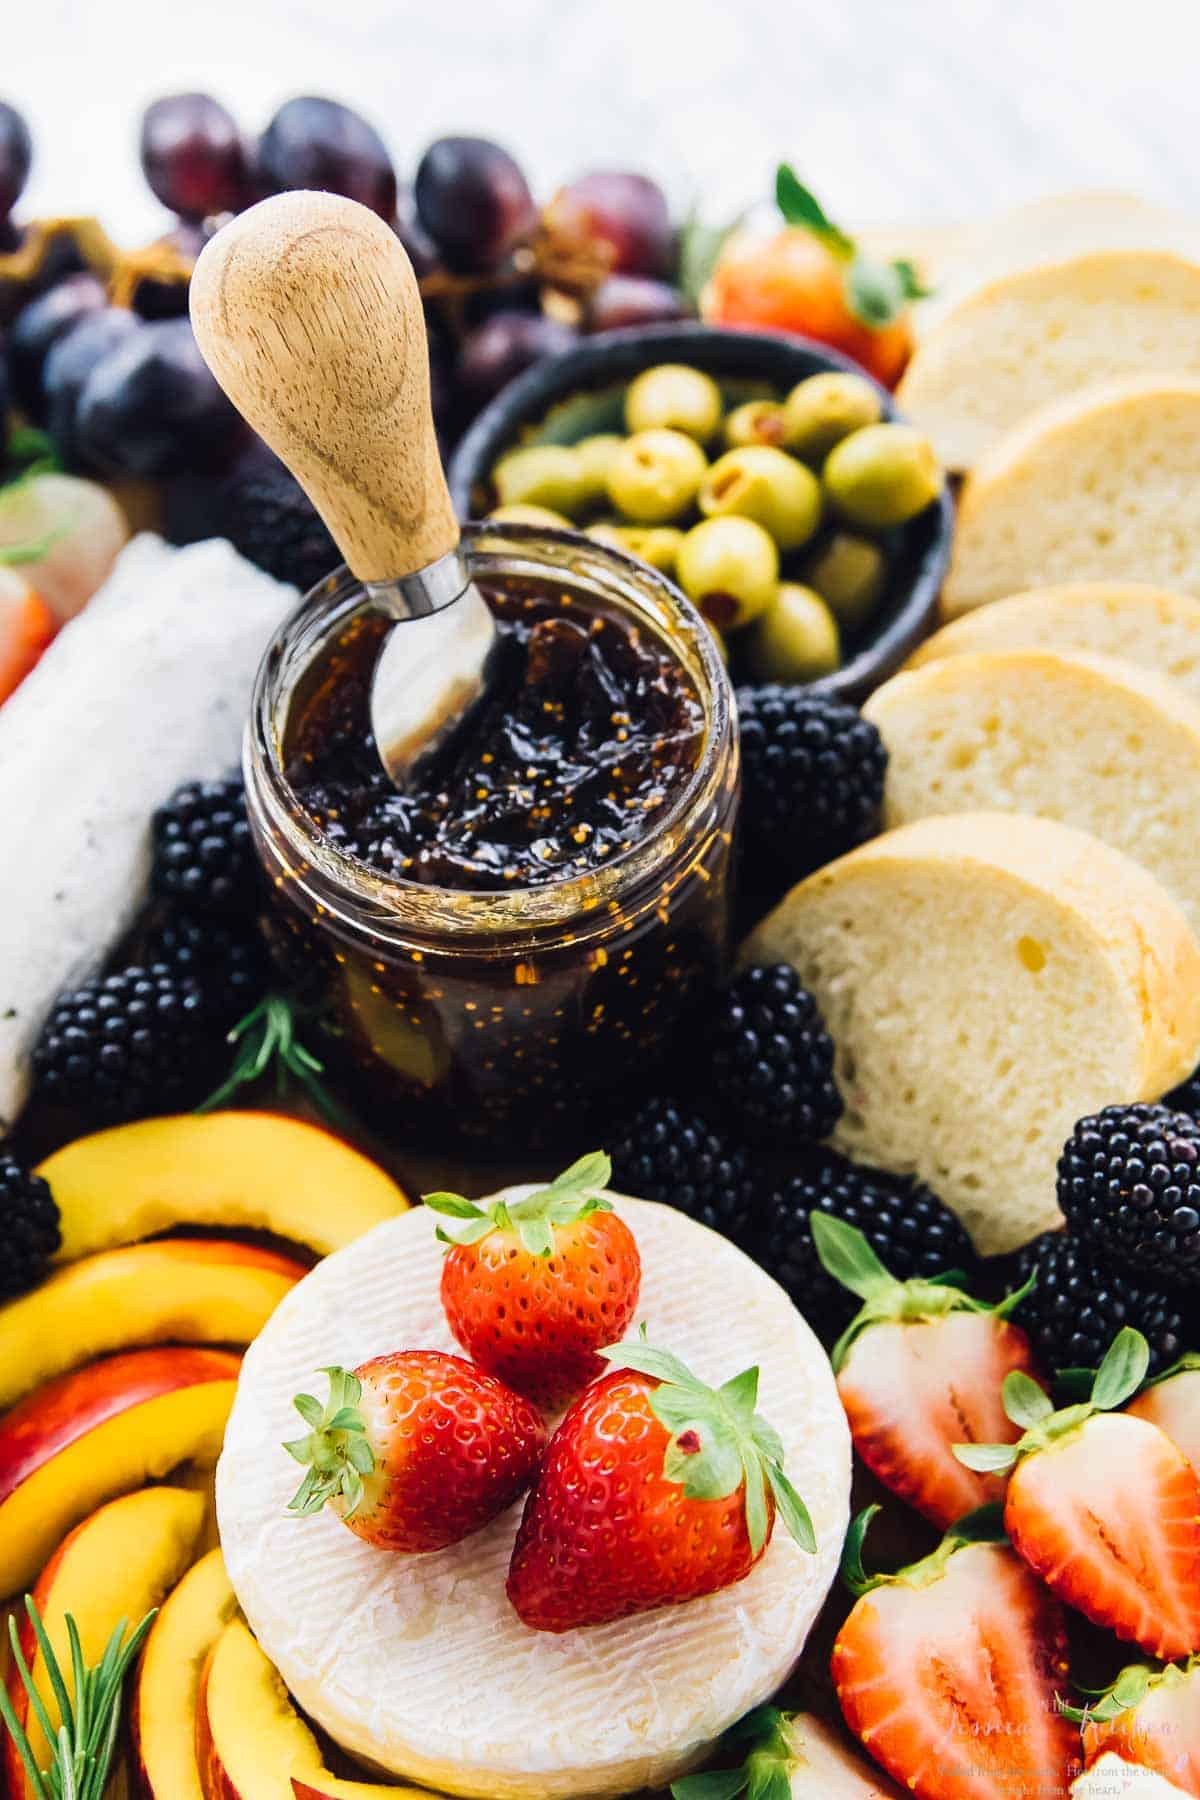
(655, 1489)
(949, 1671)
(534, 1288)
(920, 1369)
(1103, 1506)
(1151, 1718)
(1173, 1404)
(788, 1756)
(26, 627)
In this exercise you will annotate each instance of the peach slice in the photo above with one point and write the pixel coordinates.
(116, 1565)
(251, 1742)
(162, 1715)
(99, 1432)
(234, 1170)
(182, 1290)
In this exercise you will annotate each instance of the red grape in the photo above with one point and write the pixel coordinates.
(192, 156)
(502, 347)
(16, 154)
(38, 328)
(625, 300)
(69, 365)
(151, 407)
(316, 143)
(473, 201)
(628, 213)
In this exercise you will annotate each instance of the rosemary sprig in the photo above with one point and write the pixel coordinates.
(266, 1037)
(85, 1740)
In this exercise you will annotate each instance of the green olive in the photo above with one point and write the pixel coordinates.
(520, 514)
(729, 569)
(754, 422)
(539, 475)
(882, 476)
(849, 573)
(820, 412)
(654, 476)
(657, 545)
(595, 456)
(795, 639)
(768, 486)
(673, 397)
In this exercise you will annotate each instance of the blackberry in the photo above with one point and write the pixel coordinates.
(124, 1045)
(226, 963)
(665, 1152)
(911, 1231)
(1129, 1183)
(263, 511)
(29, 1233)
(1080, 1303)
(1186, 1097)
(203, 855)
(771, 1059)
(812, 776)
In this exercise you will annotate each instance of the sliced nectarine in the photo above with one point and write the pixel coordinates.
(116, 1565)
(99, 1432)
(178, 1290)
(234, 1170)
(162, 1713)
(252, 1744)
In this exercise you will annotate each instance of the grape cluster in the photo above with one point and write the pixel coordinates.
(122, 388)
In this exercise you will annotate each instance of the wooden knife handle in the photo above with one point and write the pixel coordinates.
(306, 310)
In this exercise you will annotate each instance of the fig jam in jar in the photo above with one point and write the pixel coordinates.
(493, 952)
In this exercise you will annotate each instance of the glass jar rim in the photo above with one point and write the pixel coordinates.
(421, 907)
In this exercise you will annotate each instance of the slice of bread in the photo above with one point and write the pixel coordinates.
(1045, 332)
(988, 980)
(1150, 626)
(1048, 230)
(1089, 740)
(1099, 487)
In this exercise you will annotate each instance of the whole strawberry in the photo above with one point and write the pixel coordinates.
(949, 1670)
(534, 1288)
(1103, 1506)
(416, 1450)
(655, 1489)
(918, 1370)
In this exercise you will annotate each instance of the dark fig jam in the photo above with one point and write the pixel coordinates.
(493, 954)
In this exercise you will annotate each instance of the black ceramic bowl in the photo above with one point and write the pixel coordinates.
(582, 390)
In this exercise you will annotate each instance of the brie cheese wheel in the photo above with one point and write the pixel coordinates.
(1113, 1779)
(418, 1665)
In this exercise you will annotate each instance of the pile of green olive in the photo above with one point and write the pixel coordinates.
(774, 517)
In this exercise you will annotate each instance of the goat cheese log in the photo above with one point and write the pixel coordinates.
(146, 689)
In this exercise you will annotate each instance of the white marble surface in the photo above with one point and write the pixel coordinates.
(896, 109)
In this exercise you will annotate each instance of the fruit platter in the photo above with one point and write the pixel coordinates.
(599, 988)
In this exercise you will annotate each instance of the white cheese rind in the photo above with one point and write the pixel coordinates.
(147, 688)
(418, 1665)
(1112, 1779)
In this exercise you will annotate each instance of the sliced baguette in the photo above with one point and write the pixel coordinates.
(1046, 332)
(1150, 626)
(1101, 486)
(1089, 740)
(988, 980)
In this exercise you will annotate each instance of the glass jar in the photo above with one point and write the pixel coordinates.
(503, 1017)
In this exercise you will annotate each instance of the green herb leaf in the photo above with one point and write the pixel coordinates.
(986, 1459)
(1024, 1401)
(1123, 1370)
(266, 1037)
(800, 206)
